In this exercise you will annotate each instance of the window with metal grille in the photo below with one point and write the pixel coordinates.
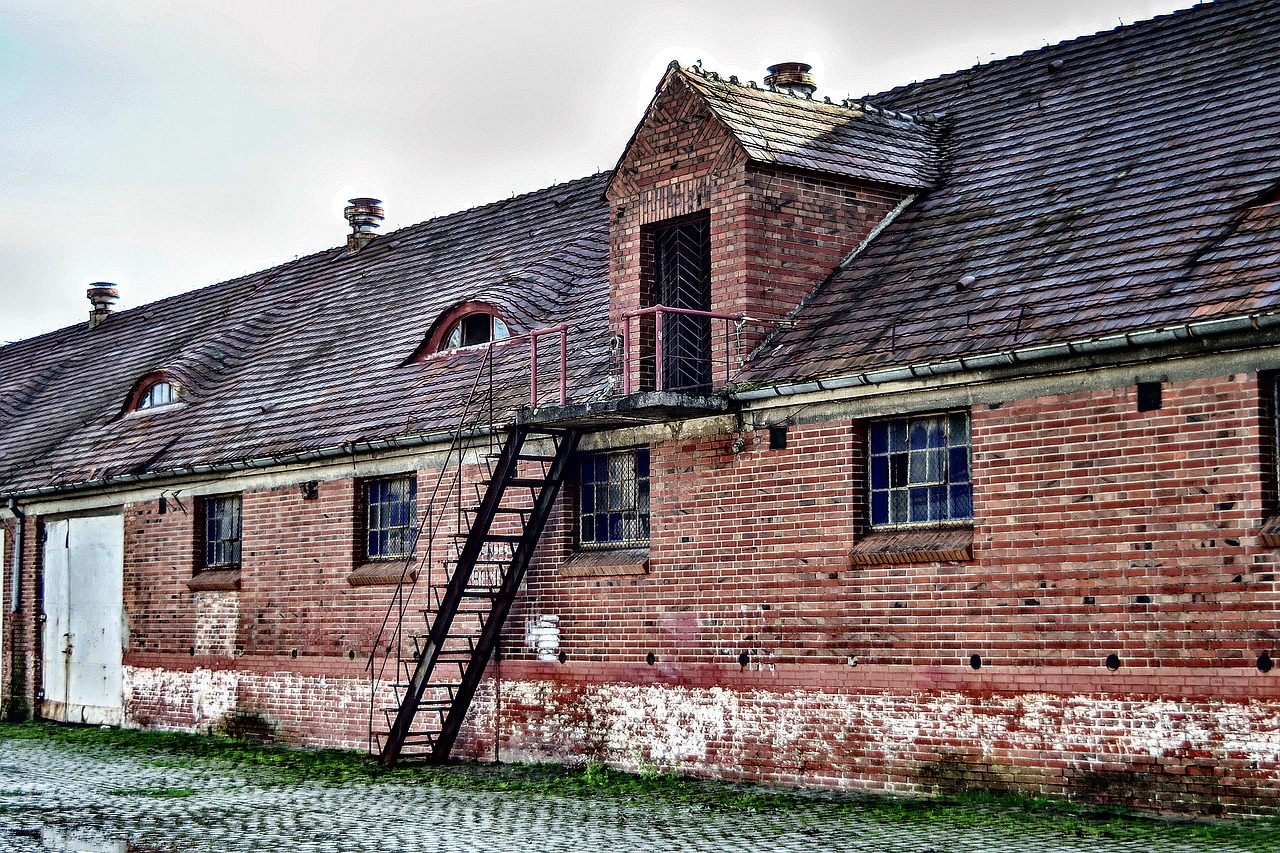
(682, 279)
(613, 499)
(391, 523)
(920, 470)
(222, 532)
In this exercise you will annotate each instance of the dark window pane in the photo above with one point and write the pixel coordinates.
(919, 504)
(961, 501)
(959, 470)
(879, 472)
(919, 433)
(898, 470)
(959, 429)
(880, 437)
(879, 507)
(898, 434)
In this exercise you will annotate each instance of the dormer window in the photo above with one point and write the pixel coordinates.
(153, 392)
(160, 393)
(468, 324)
(473, 329)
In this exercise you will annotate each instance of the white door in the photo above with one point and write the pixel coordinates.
(84, 619)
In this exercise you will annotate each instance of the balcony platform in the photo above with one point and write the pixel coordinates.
(646, 407)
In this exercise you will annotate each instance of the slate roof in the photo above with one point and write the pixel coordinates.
(1121, 181)
(845, 139)
(311, 354)
(1117, 182)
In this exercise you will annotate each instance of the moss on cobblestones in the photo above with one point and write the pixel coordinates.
(283, 766)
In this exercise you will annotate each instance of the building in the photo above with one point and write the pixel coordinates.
(912, 443)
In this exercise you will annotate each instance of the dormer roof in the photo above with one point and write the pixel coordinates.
(851, 139)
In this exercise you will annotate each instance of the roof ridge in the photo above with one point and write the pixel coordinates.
(1199, 8)
(853, 105)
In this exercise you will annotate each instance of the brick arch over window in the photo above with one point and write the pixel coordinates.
(437, 339)
(157, 388)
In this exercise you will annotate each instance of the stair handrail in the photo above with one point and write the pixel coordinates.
(399, 603)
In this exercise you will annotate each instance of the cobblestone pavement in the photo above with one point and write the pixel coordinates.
(56, 797)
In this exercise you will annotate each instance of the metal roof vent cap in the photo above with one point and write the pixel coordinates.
(364, 214)
(791, 77)
(102, 296)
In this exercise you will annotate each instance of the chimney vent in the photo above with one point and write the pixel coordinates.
(102, 295)
(364, 214)
(792, 77)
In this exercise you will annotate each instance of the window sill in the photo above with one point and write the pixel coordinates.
(930, 545)
(215, 580)
(606, 563)
(1269, 535)
(381, 574)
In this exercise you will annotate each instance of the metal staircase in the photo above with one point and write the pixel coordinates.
(468, 610)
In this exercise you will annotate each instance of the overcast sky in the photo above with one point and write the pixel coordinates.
(167, 145)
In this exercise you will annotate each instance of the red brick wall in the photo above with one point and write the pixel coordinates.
(856, 676)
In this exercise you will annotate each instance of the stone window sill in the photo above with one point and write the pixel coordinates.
(215, 580)
(931, 545)
(608, 563)
(1269, 536)
(386, 573)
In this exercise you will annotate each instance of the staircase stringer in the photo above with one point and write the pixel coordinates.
(512, 579)
(504, 468)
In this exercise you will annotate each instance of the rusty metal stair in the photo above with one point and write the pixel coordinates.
(426, 722)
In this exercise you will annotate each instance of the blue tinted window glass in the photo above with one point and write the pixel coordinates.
(915, 465)
(391, 517)
(959, 470)
(880, 437)
(879, 472)
(880, 508)
(919, 504)
(613, 506)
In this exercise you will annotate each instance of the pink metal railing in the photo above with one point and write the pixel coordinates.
(563, 331)
(630, 362)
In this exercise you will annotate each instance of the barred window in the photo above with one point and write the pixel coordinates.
(391, 527)
(222, 532)
(614, 499)
(920, 470)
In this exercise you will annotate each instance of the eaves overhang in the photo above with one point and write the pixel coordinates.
(1013, 358)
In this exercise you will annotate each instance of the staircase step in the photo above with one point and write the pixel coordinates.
(531, 482)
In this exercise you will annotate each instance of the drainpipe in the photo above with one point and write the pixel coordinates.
(15, 591)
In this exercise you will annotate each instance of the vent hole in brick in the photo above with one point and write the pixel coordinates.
(744, 659)
(351, 655)
(1150, 396)
(293, 653)
(563, 657)
(778, 438)
(193, 652)
(975, 661)
(1264, 662)
(1088, 599)
(651, 658)
(1143, 599)
(1113, 661)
